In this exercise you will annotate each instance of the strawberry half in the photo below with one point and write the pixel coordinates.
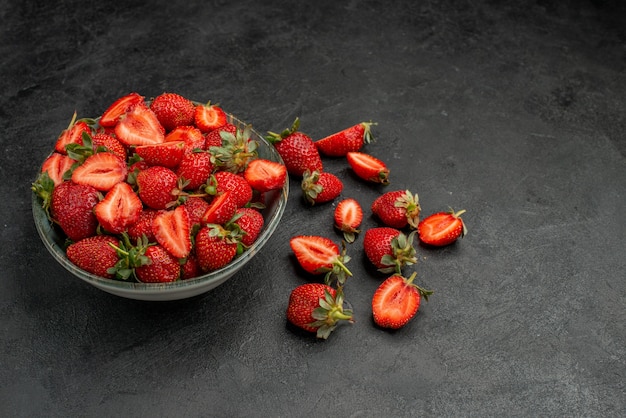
(190, 135)
(319, 255)
(72, 135)
(172, 230)
(396, 301)
(221, 209)
(348, 216)
(139, 126)
(119, 107)
(166, 154)
(442, 228)
(56, 165)
(119, 209)
(368, 167)
(208, 117)
(348, 140)
(265, 175)
(102, 170)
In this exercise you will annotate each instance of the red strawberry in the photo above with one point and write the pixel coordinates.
(214, 138)
(397, 209)
(139, 126)
(297, 150)
(190, 268)
(195, 169)
(119, 209)
(158, 187)
(196, 207)
(348, 140)
(221, 209)
(190, 135)
(112, 115)
(209, 117)
(71, 207)
(94, 254)
(251, 223)
(319, 255)
(348, 216)
(389, 249)
(225, 180)
(368, 167)
(72, 135)
(236, 152)
(396, 301)
(102, 170)
(105, 142)
(265, 175)
(166, 154)
(173, 110)
(172, 230)
(56, 165)
(163, 267)
(214, 248)
(442, 228)
(317, 308)
(143, 225)
(321, 187)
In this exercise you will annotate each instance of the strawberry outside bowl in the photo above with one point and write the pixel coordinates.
(275, 203)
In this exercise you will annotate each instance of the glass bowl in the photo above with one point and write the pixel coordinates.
(275, 202)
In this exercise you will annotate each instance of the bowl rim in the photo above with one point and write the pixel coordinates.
(194, 285)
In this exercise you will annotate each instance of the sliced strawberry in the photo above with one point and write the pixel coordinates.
(172, 230)
(319, 255)
(368, 167)
(72, 135)
(112, 115)
(442, 228)
(102, 171)
(119, 209)
(139, 126)
(396, 301)
(265, 175)
(166, 154)
(221, 209)
(56, 165)
(209, 117)
(348, 217)
(190, 135)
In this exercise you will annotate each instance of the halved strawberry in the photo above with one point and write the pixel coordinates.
(102, 170)
(265, 175)
(221, 209)
(112, 115)
(166, 154)
(348, 216)
(396, 301)
(119, 209)
(56, 165)
(319, 255)
(172, 230)
(209, 117)
(139, 126)
(347, 140)
(368, 167)
(190, 135)
(442, 228)
(72, 135)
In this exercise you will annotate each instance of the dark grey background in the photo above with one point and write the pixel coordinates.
(514, 111)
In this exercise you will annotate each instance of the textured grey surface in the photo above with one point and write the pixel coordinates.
(514, 112)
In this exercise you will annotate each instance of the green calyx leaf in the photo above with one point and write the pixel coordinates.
(310, 188)
(367, 133)
(43, 188)
(402, 254)
(330, 313)
(410, 203)
(274, 137)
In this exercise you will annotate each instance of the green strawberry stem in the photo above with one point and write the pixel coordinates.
(423, 292)
(367, 133)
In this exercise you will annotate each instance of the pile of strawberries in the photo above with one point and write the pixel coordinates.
(319, 307)
(156, 191)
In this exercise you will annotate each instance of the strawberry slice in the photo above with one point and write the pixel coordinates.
(348, 216)
(396, 301)
(209, 117)
(139, 126)
(119, 209)
(112, 115)
(318, 255)
(56, 165)
(442, 228)
(166, 154)
(221, 209)
(265, 175)
(191, 135)
(172, 230)
(368, 167)
(72, 135)
(102, 171)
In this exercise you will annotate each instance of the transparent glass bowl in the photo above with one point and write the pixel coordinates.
(275, 202)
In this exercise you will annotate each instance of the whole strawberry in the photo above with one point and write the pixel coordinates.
(71, 207)
(143, 225)
(389, 249)
(297, 150)
(236, 150)
(398, 209)
(195, 169)
(320, 187)
(251, 222)
(214, 248)
(94, 254)
(347, 140)
(173, 110)
(317, 308)
(162, 267)
(214, 138)
(158, 187)
(226, 181)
